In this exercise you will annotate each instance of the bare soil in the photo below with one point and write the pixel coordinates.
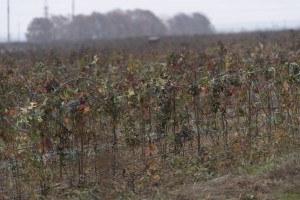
(280, 182)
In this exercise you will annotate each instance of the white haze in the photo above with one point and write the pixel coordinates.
(225, 15)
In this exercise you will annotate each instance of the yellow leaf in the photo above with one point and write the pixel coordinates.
(131, 167)
(40, 119)
(9, 151)
(24, 110)
(277, 135)
(261, 46)
(286, 85)
(32, 105)
(153, 146)
(130, 92)
(39, 148)
(156, 176)
(67, 95)
(86, 110)
(227, 64)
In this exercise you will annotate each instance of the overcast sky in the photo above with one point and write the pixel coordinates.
(225, 15)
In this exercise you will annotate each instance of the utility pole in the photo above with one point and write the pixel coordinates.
(19, 32)
(46, 9)
(8, 22)
(73, 9)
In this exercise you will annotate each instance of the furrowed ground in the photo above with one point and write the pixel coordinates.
(124, 119)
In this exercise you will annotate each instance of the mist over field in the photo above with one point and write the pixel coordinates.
(149, 99)
(232, 16)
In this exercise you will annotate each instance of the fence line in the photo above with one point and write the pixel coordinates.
(125, 165)
(115, 168)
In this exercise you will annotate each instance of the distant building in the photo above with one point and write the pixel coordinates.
(153, 40)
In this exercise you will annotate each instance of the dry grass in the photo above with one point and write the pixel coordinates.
(272, 181)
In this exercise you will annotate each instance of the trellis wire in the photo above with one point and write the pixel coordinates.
(112, 168)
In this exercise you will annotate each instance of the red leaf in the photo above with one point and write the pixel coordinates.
(233, 90)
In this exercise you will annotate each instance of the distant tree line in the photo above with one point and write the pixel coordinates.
(115, 24)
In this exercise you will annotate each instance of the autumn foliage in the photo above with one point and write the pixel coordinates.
(131, 121)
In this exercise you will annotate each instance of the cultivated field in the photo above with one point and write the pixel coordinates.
(125, 119)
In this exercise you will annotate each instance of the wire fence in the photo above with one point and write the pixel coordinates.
(103, 171)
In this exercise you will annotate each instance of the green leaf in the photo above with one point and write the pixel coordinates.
(40, 65)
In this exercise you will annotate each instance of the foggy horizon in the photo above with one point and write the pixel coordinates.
(235, 16)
